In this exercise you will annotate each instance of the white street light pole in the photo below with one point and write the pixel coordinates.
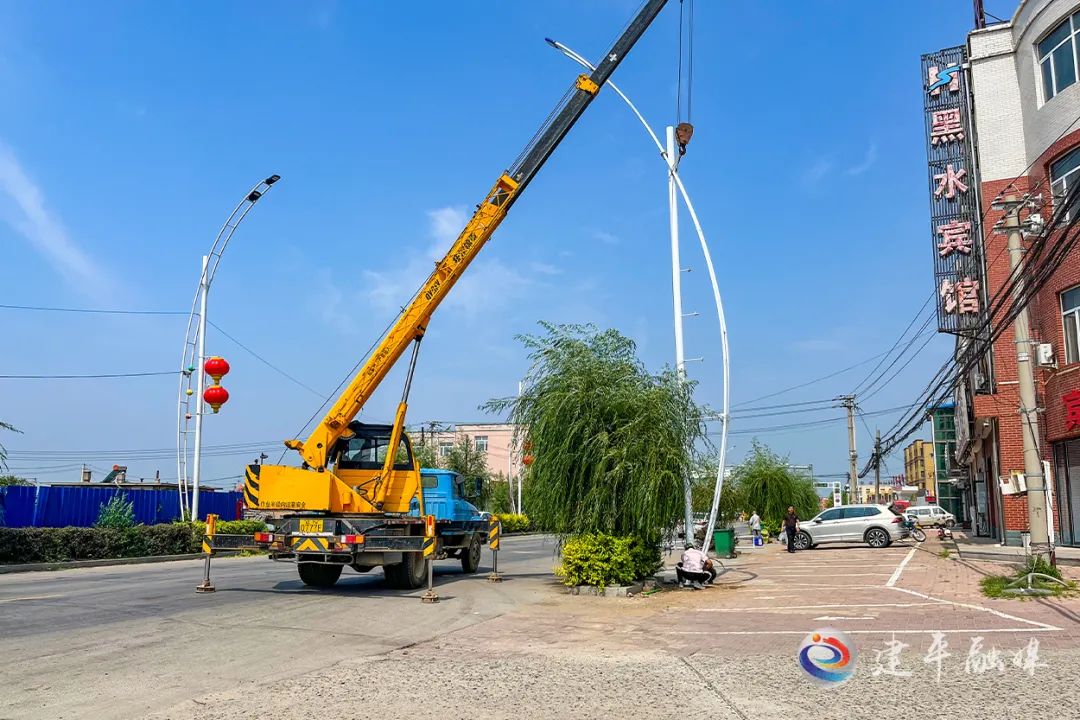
(200, 383)
(676, 303)
(668, 156)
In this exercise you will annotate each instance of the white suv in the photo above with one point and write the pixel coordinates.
(933, 515)
(875, 525)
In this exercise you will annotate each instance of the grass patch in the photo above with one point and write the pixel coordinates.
(995, 586)
(944, 553)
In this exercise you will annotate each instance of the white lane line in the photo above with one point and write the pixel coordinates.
(817, 607)
(981, 608)
(847, 617)
(900, 568)
(831, 574)
(31, 598)
(830, 586)
(972, 631)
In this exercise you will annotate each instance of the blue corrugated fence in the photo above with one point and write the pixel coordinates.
(64, 506)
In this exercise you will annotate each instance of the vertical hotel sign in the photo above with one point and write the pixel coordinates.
(954, 191)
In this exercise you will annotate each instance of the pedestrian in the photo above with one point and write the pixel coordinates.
(791, 526)
(755, 527)
(694, 568)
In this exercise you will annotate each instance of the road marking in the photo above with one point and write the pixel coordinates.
(817, 574)
(844, 617)
(33, 597)
(900, 568)
(982, 608)
(972, 631)
(816, 607)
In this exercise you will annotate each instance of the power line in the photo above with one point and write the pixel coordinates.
(859, 388)
(94, 311)
(264, 361)
(86, 377)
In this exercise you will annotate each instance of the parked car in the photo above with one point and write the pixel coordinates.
(931, 515)
(875, 525)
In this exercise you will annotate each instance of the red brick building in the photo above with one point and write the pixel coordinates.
(1025, 110)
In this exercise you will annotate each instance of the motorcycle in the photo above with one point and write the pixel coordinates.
(913, 528)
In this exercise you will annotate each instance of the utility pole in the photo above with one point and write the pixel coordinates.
(1038, 526)
(877, 467)
(848, 401)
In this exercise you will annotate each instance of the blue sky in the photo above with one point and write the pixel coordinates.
(130, 129)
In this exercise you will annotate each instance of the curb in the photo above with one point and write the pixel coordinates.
(1008, 558)
(72, 564)
(611, 591)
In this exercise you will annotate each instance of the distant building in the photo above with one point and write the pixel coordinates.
(919, 468)
(496, 440)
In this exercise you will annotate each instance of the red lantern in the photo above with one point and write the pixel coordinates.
(527, 460)
(216, 396)
(217, 368)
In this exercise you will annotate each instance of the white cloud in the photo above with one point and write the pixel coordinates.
(545, 268)
(488, 282)
(605, 237)
(22, 207)
(817, 172)
(867, 163)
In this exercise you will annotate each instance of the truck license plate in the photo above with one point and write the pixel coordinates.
(311, 526)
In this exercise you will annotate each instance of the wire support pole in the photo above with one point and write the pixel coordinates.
(721, 317)
(194, 346)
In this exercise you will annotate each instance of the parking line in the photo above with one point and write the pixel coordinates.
(973, 631)
(818, 607)
(900, 568)
(982, 608)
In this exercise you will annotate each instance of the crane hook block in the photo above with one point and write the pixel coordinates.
(683, 133)
(584, 82)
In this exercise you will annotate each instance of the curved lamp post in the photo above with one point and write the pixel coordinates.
(194, 354)
(673, 172)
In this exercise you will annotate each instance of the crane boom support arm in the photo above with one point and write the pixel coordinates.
(414, 319)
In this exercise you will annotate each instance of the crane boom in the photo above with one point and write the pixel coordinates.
(414, 319)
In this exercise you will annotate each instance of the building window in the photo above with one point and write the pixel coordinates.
(1064, 174)
(1057, 56)
(1070, 313)
(481, 442)
(444, 448)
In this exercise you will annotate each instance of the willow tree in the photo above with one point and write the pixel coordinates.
(3, 450)
(766, 482)
(610, 441)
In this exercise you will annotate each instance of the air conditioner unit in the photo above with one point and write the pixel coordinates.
(1044, 353)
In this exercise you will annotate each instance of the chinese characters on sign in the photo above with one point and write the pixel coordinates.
(954, 202)
(1072, 408)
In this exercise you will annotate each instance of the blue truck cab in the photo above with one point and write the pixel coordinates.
(446, 496)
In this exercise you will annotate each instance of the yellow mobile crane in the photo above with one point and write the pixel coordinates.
(359, 496)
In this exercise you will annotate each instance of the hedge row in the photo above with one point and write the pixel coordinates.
(43, 545)
(512, 523)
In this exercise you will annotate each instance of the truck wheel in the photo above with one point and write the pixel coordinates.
(318, 574)
(408, 574)
(470, 556)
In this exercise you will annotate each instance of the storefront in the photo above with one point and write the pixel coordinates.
(1066, 485)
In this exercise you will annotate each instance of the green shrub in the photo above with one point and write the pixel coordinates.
(600, 560)
(119, 512)
(512, 523)
(38, 545)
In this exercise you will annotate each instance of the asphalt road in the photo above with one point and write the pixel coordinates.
(125, 641)
(136, 641)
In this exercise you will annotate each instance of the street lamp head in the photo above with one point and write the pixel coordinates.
(255, 195)
(551, 42)
(272, 179)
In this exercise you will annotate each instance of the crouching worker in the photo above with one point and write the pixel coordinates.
(695, 568)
